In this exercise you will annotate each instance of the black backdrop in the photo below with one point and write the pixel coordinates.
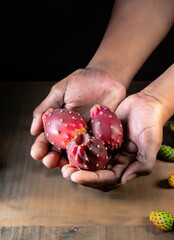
(48, 40)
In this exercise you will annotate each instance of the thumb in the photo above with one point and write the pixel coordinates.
(136, 169)
(145, 160)
(54, 99)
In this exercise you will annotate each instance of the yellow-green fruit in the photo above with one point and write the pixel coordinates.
(162, 220)
(170, 125)
(171, 179)
(166, 152)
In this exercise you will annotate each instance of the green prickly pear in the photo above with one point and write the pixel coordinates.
(166, 152)
(162, 220)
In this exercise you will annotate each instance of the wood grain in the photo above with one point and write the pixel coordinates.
(37, 203)
(87, 233)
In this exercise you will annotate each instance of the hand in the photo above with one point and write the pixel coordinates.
(79, 91)
(141, 117)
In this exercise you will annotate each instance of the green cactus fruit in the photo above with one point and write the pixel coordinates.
(162, 220)
(166, 152)
(170, 125)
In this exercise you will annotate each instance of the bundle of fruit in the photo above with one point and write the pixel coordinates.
(86, 143)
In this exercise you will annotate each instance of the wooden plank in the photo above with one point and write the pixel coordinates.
(99, 232)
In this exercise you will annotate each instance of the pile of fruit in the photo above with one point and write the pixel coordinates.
(87, 144)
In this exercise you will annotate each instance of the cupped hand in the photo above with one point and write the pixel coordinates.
(141, 117)
(79, 92)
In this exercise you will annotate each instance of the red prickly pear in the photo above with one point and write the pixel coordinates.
(86, 152)
(61, 125)
(106, 126)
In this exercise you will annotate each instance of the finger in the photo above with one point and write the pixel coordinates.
(129, 146)
(51, 160)
(36, 125)
(90, 179)
(40, 147)
(53, 100)
(63, 162)
(143, 165)
(120, 161)
(133, 171)
(94, 179)
(148, 143)
(67, 170)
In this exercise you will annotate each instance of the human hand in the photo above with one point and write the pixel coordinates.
(141, 117)
(79, 92)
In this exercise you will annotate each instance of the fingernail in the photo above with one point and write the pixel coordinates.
(130, 178)
(108, 167)
(65, 175)
(33, 124)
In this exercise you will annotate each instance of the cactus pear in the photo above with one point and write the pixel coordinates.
(106, 126)
(86, 152)
(166, 152)
(162, 220)
(61, 125)
(171, 179)
(170, 125)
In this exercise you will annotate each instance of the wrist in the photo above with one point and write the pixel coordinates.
(161, 93)
(155, 104)
(111, 90)
(135, 29)
(116, 70)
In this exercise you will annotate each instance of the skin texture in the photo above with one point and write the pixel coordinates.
(135, 29)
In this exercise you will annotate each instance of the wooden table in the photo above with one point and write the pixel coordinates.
(37, 203)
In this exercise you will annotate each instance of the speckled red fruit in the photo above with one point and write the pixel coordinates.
(87, 153)
(106, 126)
(61, 125)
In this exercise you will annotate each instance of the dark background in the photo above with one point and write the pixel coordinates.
(48, 40)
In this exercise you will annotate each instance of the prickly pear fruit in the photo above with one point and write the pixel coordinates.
(171, 179)
(106, 126)
(170, 125)
(162, 220)
(61, 125)
(166, 152)
(86, 152)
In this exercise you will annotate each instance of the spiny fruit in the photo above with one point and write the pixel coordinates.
(86, 152)
(61, 125)
(166, 152)
(170, 125)
(162, 220)
(171, 179)
(106, 126)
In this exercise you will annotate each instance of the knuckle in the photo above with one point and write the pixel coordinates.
(148, 166)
